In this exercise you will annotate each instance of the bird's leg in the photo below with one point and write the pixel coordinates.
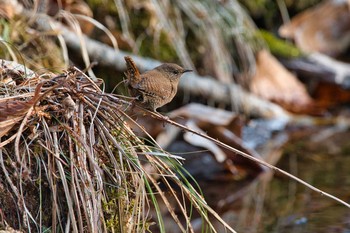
(163, 117)
(138, 98)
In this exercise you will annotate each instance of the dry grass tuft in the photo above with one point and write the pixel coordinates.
(68, 160)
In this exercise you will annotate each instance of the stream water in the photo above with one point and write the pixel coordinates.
(279, 204)
(323, 163)
(274, 203)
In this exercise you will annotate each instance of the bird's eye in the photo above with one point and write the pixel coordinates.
(175, 72)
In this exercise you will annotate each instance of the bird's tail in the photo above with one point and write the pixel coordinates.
(132, 72)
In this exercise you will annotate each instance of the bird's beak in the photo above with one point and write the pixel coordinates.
(187, 71)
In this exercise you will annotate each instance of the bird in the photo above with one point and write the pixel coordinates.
(154, 88)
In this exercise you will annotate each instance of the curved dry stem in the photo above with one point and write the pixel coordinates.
(101, 27)
(250, 157)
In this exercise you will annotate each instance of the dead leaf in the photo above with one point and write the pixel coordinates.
(222, 125)
(204, 113)
(6, 125)
(12, 110)
(78, 7)
(10, 8)
(68, 106)
(199, 141)
(324, 28)
(329, 95)
(273, 82)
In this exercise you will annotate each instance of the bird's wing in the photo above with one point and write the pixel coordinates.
(153, 85)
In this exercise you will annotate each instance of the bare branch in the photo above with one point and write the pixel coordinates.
(208, 87)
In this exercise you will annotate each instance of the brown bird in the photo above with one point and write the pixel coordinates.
(153, 88)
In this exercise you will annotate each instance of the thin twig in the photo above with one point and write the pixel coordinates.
(250, 157)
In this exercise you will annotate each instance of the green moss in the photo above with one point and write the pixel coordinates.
(140, 29)
(279, 47)
(36, 50)
(110, 208)
(5, 30)
(120, 205)
(256, 7)
(163, 50)
(345, 150)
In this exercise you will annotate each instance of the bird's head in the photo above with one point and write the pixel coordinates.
(172, 71)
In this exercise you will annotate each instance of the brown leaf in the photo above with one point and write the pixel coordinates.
(78, 7)
(224, 134)
(69, 107)
(329, 95)
(324, 28)
(273, 82)
(204, 113)
(10, 8)
(221, 125)
(6, 125)
(12, 110)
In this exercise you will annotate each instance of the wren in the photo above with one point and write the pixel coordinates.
(154, 88)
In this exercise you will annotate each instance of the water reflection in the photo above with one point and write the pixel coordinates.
(278, 204)
(273, 202)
